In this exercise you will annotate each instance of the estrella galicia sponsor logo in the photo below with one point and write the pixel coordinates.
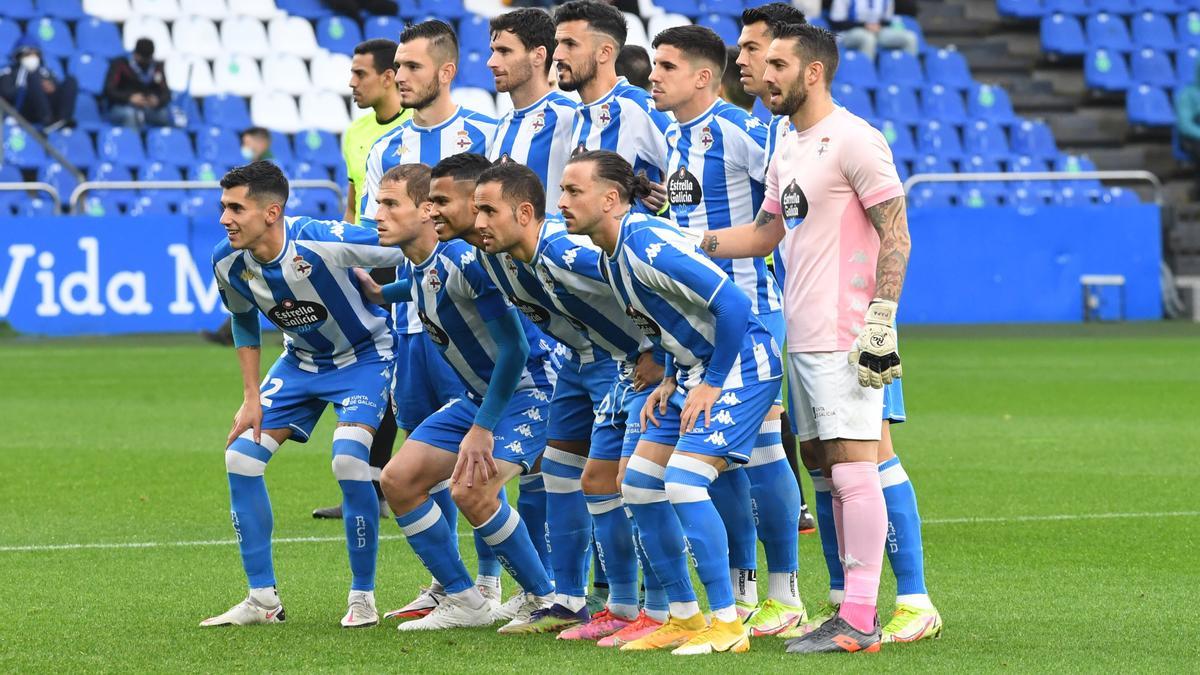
(644, 323)
(794, 203)
(435, 331)
(298, 316)
(531, 311)
(684, 191)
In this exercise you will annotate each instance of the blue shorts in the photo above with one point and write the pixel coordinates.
(294, 399)
(577, 398)
(777, 327)
(618, 423)
(736, 418)
(893, 402)
(520, 436)
(424, 381)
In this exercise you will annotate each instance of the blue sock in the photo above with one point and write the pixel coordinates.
(568, 525)
(489, 564)
(599, 574)
(506, 535)
(776, 498)
(360, 504)
(656, 602)
(432, 541)
(730, 494)
(659, 531)
(531, 505)
(614, 547)
(440, 493)
(687, 480)
(904, 548)
(829, 545)
(250, 507)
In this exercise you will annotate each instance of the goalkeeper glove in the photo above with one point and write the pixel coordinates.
(874, 351)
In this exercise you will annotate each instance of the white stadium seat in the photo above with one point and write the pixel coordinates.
(148, 27)
(474, 98)
(324, 110)
(197, 36)
(637, 31)
(238, 75)
(162, 9)
(503, 104)
(648, 8)
(661, 22)
(209, 9)
(259, 9)
(331, 72)
(244, 35)
(275, 110)
(109, 10)
(292, 35)
(192, 74)
(286, 73)
(486, 8)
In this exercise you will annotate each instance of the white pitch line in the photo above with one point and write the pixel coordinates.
(36, 548)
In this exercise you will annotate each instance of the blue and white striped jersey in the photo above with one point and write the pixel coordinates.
(404, 314)
(666, 284)
(777, 128)
(717, 172)
(455, 298)
(564, 292)
(625, 121)
(539, 136)
(310, 292)
(465, 131)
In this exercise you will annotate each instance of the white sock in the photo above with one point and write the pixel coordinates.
(684, 610)
(836, 597)
(745, 585)
(571, 602)
(659, 615)
(726, 614)
(266, 597)
(471, 597)
(485, 580)
(629, 612)
(782, 586)
(916, 600)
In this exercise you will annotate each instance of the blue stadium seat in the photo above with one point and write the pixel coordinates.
(338, 34)
(10, 174)
(10, 32)
(318, 147)
(855, 99)
(308, 9)
(99, 38)
(1105, 70)
(68, 10)
(218, 146)
(1186, 62)
(984, 139)
(940, 140)
(160, 171)
(410, 9)
(21, 150)
(1073, 7)
(227, 112)
(927, 195)
(722, 25)
(1107, 31)
(89, 71)
(169, 145)
(1164, 6)
(35, 206)
(52, 35)
(111, 200)
(19, 9)
(281, 148)
(58, 176)
(1111, 6)
(1033, 138)
(911, 24)
(1149, 106)
(122, 146)
(1187, 28)
(87, 113)
(1025, 163)
(900, 67)
(1117, 196)
(100, 203)
(1062, 35)
(201, 204)
(988, 102)
(900, 138)
(940, 103)
(1153, 30)
(855, 68)
(1150, 66)
(898, 104)
(1075, 164)
(309, 171)
(979, 195)
(948, 68)
(474, 33)
(76, 145)
(446, 9)
(473, 70)
(209, 171)
(685, 7)
(383, 27)
(146, 205)
(110, 171)
(1020, 9)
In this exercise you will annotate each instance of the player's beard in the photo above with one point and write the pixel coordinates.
(793, 100)
(517, 77)
(429, 95)
(579, 77)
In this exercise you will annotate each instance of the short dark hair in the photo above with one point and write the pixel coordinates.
(261, 178)
(415, 178)
(775, 14)
(695, 42)
(440, 35)
(614, 168)
(813, 43)
(532, 26)
(633, 64)
(518, 184)
(463, 166)
(257, 132)
(600, 17)
(382, 52)
(731, 81)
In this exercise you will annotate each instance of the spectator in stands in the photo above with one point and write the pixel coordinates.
(867, 25)
(731, 82)
(135, 89)
(1187, 117)
(354, 8)
(256, 145)
(633, 64)
(34, 91)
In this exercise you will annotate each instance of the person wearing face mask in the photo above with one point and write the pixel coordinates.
(135, 89)
(256, 144)
(33, 90)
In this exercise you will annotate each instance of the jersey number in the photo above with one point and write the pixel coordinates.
(270, 386)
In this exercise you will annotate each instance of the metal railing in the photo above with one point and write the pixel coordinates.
(88, 186)
(37, 186)
(40, 139)
(1137, 176)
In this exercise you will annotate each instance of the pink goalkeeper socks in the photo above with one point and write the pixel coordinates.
(862, 534)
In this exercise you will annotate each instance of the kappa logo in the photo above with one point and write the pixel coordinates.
(338, 231)
(752, 123)
(533, 414)
(652, 251)
(724, 417)
(515, 448)
(247, 276)
(466, 258)
(716, 438)
(569, 256)
(539, 395)
(729, 398)
(525, 430)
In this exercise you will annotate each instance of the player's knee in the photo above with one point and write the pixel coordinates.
(348, 467)
(597, 481)
(687, 479)
(243, 465)
(395, 487)
(471, 500)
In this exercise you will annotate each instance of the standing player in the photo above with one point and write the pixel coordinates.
(835, 206)
(716, 162)
(723, 375)
(537, 131)
(298, 272)
(493, 431)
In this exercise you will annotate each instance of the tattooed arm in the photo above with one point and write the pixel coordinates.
(890, 220)
(752, 240)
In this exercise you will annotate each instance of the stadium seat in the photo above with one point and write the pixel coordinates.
(1149, 106)
(855, 99)
(474, 98)
(898, 104)
(209, 9)
(309, 9)
(87, 113)
(108, 10)
(145, 206)
(1020, 9)
(722, 25)
(900, 139)
(281, 148)
(927, 195)
(20, 9)
(100, 203)
(167, 10)
(447, 9)
(1076, 164)
(1153, 30)
(637, 34)
(1110, 6)
(226, 112)
(1062, 35)
(1033, 138)
(148, 27)
(1186, 62)
(99, 37)
(118, 145)
(688, 7)
(1117, 196)
(170, 146)
(197, 36)
(10, 32)
(52, 36)
(900, 67)
(331, 72)
(89, 72)
(155, 171)
(474, 34)
(318, 147)
(68, 10)
(209, 171)
(855, 68)
(35, 206)
(338, 34)
(106, 171)
(660, 22)
(286, 73)
(940, 103)
(940, 140)
(258, 9)
(1150, 66)
(76, 144)
(21, 150)
(988, 102)
(983, 139)
(56, 175)
(385, 27)
(244, 36)
(218, 146)
(1107, 31)
(275, 110)
(1105, 70)
(948, 68)
(191, 74)
(237, 74)
(1164, 6)
(977, 196)
(473, 70)
(201, 204)
(292, 35)
(323, 110)
(1187, 28)
(503, 104)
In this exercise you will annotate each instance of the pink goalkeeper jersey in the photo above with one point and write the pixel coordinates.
(822, 180)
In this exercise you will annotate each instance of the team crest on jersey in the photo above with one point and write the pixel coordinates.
(538, 121)
(824, 147)
(464, 140)
(510, 263)
(794, 203)
(684, 191)
(706, 137)
(432, 280)
(303, 267)
(247, 276)
(604, 116)
(546, 279)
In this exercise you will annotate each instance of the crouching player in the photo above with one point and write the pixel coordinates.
(337, 349)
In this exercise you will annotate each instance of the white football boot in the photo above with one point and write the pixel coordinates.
(453, 612)
(262, 605)
(361, 612)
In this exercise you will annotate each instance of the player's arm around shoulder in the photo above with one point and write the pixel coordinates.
(348, 245)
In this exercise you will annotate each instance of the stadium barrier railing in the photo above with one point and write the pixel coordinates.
(38, 137)
(1131, 176)
(88, 186)
(36, 186)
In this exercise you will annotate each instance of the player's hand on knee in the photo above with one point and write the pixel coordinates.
(699, 400)
(249, 416)
(874, 352)
(475, 462)
(657, 401)
(371, 290)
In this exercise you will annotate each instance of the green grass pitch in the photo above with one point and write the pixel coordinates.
(1056, 470)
